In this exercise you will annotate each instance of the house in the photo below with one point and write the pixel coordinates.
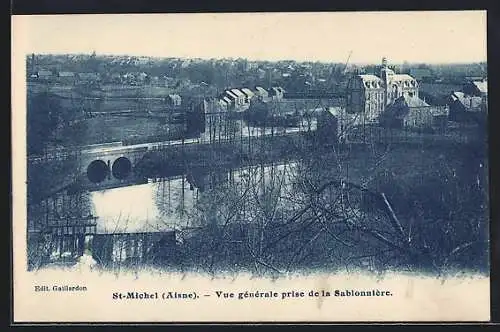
(128, 78)
(67, 76)
(261, 93)
(227, 101)
(241, 97)
(334, 124)
(465, 108)
(366, 95)
(413, 112)
(142, 77)
(233, 98)
(44, 75)
(276, 93)
(369, 94)
(89, 77)
(174, 100)
(272, 113)
(238, 98)
(474, 78)
(248, 93)
(476, 88)
(223, 104)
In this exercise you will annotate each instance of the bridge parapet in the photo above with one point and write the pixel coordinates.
(101, 169)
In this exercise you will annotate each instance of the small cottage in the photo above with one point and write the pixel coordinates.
(66, 77)
(44, 75)
(465, 108)
(413, 112)
(261, 93)
(174, 100)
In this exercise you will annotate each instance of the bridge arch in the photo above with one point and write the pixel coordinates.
(121, 168)
(97, 171)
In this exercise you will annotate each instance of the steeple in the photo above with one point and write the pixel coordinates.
(384, 75)
(384, 62)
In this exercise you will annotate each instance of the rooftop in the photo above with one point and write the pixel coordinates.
(238, 92)
(66, 74)
(482, 86)
(468, 102)
(44, 73)
(231, 94)
(415, 102)
(369, 77)
(248, 92)
(261, 90)
(402, 77)
(401, 106)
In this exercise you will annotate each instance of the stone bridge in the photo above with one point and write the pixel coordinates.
(104, 168)
(112, 166)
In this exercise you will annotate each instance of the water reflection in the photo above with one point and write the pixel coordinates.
(126, 209)
(142, 224)
(167, 204)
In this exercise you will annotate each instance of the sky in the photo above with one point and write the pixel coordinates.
(430, 37)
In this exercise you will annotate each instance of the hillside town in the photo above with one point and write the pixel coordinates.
(423, 97)
(238, 161)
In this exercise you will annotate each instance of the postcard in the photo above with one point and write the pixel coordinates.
(250, 167)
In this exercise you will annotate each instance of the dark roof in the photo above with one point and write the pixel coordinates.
(400, 107)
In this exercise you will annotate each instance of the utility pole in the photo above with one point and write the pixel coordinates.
(347, 61)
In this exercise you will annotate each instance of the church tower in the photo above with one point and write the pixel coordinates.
(387, 76)
(384, 75)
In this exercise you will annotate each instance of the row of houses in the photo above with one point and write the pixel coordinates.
(239, 99)
(65, 76)
(69, 77)
(470, 104)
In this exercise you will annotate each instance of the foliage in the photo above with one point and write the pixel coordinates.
(307, 215)
(44, 114)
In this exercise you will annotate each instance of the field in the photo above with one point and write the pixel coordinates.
(113, 129)
(106, 99)
(116, 90)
